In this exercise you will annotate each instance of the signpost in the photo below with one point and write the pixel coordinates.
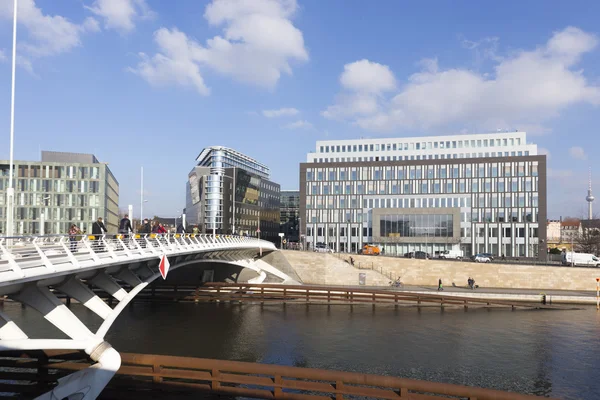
(163, 267)
(597, 294)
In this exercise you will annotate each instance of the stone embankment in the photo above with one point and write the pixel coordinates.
(328, 269)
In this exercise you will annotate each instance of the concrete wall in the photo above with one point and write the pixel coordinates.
(490, 275)
(328, 269)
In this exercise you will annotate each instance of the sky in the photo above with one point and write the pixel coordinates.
(150, 83)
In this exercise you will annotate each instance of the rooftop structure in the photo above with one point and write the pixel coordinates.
(500, 144)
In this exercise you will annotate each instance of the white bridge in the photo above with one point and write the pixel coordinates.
(33, 270)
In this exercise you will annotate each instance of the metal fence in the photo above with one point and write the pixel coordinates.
(253, 379)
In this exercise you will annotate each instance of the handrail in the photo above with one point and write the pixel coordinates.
(40, 255)
(276, 381)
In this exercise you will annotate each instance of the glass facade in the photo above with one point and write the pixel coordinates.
(495, 203)
(290, 214)
(416, 225)
(229, 192)
(68, 189)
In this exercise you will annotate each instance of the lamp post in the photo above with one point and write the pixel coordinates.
(10, 191)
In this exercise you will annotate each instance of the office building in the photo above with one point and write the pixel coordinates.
(289, 211)
(481, 193)
(222, 174)
(60, 190)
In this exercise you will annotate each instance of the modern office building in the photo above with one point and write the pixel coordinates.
(479, 193)
(222, 174)
(289, 211)
(61, 189)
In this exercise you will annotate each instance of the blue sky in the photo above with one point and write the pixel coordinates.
(151, 82)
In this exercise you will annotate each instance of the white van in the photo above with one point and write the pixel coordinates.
(580, 259)
(452, 254)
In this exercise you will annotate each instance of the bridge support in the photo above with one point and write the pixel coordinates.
(41, 269)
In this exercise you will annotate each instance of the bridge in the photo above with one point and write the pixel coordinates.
(36, 270)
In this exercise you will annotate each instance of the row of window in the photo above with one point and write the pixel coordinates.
(424, 157)
(54, 185)
(496, 215)
(416, 225)
(420, 145)
(59, 200)
(506, 232)
(470, 170)
(53, 171)
(488, 185)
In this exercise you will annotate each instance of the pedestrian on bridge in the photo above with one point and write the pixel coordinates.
(98, 230)
(125, 226)
(73, 232)
(440, 286)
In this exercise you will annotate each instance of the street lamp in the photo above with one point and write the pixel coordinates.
(142, 201)
(10, 191)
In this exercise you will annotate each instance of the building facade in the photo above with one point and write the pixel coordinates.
(289, 212)
(479, 193)
(60, 190)
(229, 192)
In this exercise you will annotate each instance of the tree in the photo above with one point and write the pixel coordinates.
(588, 241)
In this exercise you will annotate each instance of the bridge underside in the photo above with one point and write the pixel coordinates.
(122, 281)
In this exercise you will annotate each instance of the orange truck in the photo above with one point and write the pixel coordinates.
(369, 249)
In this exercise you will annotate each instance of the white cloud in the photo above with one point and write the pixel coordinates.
(300, 124)
(368, 77)
(47, 34)
(176, 66)
(544, 151)
(526, 89)
(120, 14)
(578, 153)
(3, 55)
(282, 112)
(258, 44)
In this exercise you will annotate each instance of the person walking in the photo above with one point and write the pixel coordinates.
(146, 228)
(440, 286)
(195, 230)
(73, 232)
(180, 228)
(125, 226)
(98, 230)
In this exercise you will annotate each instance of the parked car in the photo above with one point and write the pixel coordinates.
(369, 249)
(452, 254)
(481, 258)
(410, 254)
(422, 255)
(322, 248)
(488, 255)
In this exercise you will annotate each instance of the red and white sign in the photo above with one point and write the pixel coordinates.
(163, 267)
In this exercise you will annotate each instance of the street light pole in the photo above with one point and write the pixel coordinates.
(10, 191)
(142, 197)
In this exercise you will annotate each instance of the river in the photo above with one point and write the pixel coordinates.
(543, 352)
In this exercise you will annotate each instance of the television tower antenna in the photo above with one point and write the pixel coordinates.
(590, 197)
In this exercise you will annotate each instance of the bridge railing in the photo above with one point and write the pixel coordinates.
(50, 252)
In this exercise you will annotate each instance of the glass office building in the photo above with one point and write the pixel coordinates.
(290, 215)
(222, 175)
(61, 189)
(478, 193)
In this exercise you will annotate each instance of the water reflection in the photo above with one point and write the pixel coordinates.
(540, 352)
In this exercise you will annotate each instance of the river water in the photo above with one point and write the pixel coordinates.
(543, 352)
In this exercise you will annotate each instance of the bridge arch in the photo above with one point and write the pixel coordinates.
(34, 269)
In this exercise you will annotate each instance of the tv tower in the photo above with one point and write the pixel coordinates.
(590, 197)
